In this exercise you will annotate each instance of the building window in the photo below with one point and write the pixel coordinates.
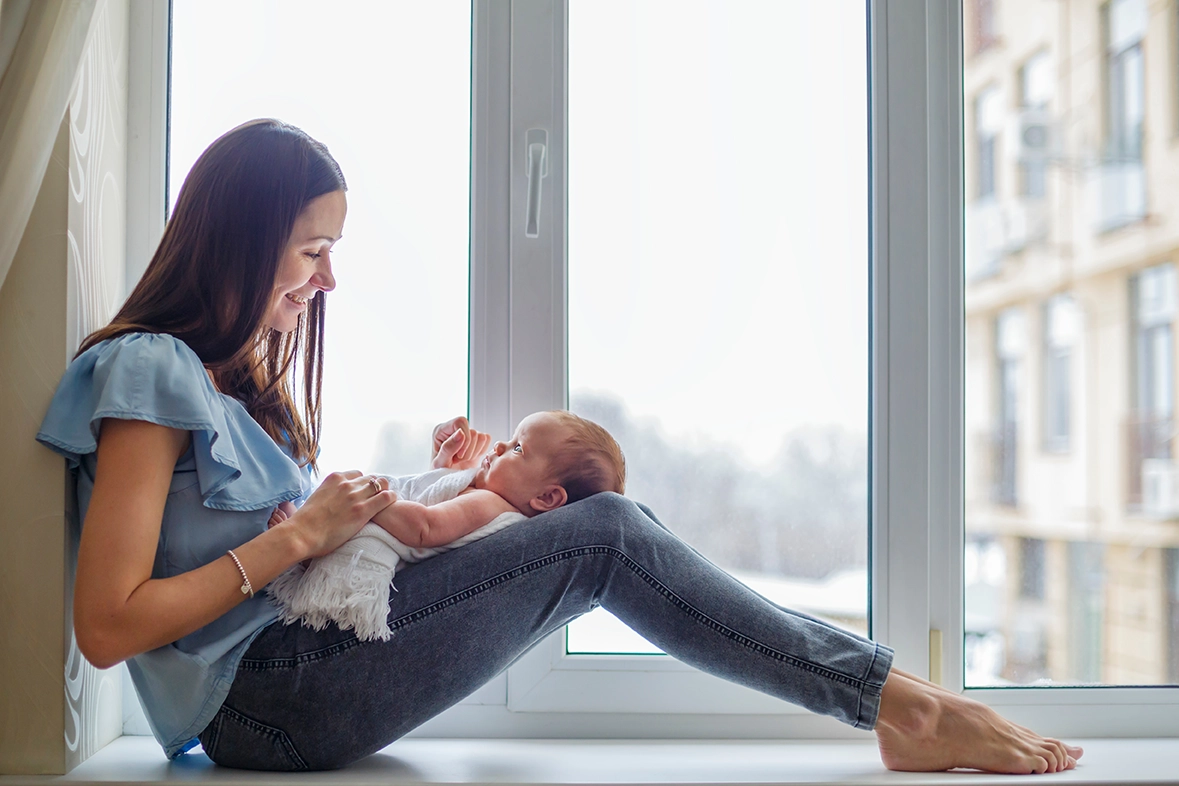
(988, 119)
(986, 25)
(1031, 569)
(1086, 611)
(1120, 180)
(1060, 335)
(1036, 82)
(1172, 606)
(1009, 350)
(1152, 485)
(1125, 27)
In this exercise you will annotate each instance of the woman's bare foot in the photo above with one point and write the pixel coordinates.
(925, 728)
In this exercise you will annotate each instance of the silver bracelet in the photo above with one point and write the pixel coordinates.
(247, 589)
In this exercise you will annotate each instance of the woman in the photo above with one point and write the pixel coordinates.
(183, 420)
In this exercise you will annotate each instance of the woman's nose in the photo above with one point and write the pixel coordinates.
(323, 277)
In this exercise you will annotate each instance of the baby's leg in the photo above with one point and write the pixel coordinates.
(283, 512)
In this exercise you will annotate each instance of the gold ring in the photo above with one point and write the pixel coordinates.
(376, 483)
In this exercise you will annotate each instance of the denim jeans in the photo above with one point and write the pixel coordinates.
(305, 699)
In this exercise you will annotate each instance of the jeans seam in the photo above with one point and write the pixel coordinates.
(269, 731)
(552, 559)
(214, 734)
(864, 687)
(262, 664)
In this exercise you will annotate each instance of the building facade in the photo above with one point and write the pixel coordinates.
(1071, 154)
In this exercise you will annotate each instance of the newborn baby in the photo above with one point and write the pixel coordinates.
(553, 458)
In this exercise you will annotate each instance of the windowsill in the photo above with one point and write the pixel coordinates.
(540, 762)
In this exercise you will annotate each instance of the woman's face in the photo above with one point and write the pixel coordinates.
(306, 267)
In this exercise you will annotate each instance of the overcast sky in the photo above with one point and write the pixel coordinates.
(718, 200)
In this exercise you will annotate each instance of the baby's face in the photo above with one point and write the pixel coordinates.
(521, 469)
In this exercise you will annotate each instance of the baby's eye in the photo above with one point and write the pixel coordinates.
(518, 449)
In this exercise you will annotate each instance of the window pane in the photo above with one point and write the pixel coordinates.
(718, 282)
(360, 79)
(1072, 485)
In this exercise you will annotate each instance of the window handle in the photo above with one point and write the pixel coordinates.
(536, 145)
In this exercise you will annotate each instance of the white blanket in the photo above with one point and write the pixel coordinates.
(350, 586)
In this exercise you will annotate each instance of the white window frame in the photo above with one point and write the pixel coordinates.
(517, 365)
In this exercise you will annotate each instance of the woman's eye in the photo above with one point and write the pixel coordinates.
(314, 256)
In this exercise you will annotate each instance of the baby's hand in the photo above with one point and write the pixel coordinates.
(283, 512)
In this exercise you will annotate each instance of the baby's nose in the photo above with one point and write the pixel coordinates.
(500, 447)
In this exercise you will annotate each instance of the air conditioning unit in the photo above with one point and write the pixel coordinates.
(1160, 488)
(1035, 135)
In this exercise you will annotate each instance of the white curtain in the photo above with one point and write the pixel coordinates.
(39, 59)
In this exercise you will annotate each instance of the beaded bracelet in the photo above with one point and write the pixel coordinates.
(247, 588)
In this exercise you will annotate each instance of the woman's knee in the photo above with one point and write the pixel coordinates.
(611, 517)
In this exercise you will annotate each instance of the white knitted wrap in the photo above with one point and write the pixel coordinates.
(350, 586)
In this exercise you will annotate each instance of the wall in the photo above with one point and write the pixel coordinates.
(67, 278)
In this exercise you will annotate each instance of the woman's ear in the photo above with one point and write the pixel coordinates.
(551, 498)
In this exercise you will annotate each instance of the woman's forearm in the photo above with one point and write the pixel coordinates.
(160, 611)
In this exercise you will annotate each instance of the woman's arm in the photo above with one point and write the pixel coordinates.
(420, 526)
(119, 610)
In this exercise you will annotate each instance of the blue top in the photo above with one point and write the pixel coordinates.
(223, 490)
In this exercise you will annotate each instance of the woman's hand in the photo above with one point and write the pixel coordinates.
(457, 445)
(343, 503)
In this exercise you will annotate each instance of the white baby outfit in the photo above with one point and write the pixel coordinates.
(350, 586)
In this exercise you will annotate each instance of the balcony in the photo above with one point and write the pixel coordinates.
(1117, 193)
(1152, 483)
(996, 229)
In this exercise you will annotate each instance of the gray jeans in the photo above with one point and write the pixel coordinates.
(304, 699)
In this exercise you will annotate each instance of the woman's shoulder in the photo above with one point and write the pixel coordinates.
(140, 347)
(153, 377)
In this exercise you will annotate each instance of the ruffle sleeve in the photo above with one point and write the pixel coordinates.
(157, 378)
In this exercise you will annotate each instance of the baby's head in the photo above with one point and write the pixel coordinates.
(554, 457)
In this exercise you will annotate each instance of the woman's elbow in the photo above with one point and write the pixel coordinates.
(97, 648)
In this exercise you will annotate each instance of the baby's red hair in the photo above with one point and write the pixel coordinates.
(589, 460)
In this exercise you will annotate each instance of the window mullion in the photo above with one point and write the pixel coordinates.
(537, 280)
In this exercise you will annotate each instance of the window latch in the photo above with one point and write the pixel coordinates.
(536, 142)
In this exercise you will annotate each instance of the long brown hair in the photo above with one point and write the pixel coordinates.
(211, 280)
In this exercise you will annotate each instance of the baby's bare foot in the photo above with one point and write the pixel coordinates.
(924, 728)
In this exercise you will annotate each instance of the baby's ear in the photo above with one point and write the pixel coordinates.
(551, 498)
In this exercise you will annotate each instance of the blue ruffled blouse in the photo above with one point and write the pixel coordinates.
(223, 490)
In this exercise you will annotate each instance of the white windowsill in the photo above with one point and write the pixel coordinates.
(536, 762)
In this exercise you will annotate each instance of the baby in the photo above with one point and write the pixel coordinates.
(554, 458)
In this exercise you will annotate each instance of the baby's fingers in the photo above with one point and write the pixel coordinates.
(377, 503)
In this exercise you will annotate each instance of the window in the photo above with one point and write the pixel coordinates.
(1152, 423)
(1036, 83)
(1031, 568)
(1120, 181)
(1009, 351)
(1072, 346)
(935, 383)
(379, 418)
(1171, 566)
(987, 123)
(750, 444)
(1060, 331)
(1125, 28)
(986, 24)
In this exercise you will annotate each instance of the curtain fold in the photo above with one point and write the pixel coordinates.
(34, 92)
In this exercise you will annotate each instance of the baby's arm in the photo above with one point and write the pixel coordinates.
(419, 526)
